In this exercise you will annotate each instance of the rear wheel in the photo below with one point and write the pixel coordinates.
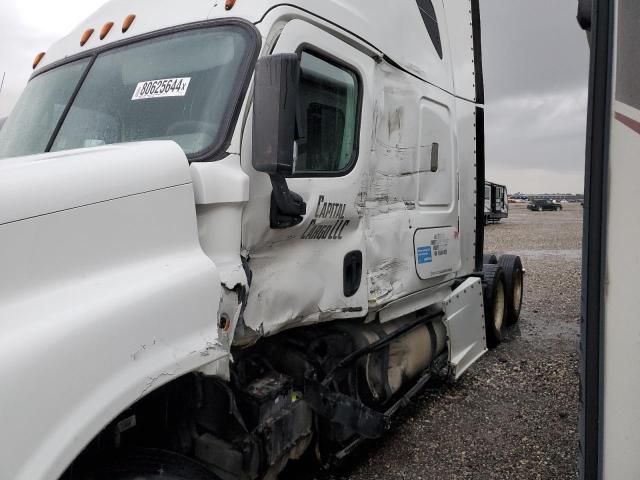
(151, 464)
(489, 258)
(494, 288)
(514, 279)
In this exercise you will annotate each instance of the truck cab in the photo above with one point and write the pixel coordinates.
(239, 231)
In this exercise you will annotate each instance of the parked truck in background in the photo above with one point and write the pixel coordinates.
(236, 233)
(496, 202)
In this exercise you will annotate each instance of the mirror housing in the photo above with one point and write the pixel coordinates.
(585, 12)
(275, 103)
(585, 16)
(275, 100)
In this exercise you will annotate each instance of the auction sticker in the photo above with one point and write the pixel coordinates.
(167, 87)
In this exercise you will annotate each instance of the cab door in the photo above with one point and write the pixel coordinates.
(436, 240)
(313, 272)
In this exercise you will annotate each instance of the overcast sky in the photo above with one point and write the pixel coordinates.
(536, 62)
(535, 65)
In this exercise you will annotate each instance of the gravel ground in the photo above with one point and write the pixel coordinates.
(514, 414)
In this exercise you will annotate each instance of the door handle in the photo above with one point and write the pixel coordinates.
(352, 273)
(435, 153)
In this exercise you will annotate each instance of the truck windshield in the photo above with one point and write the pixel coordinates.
(182, 87)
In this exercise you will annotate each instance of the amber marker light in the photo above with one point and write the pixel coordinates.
(127, 22)
(38, 59)
(228, 4)
(105, 30)
(86, 36)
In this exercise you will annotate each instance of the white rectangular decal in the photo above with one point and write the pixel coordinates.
(437, 251)
(167, 87)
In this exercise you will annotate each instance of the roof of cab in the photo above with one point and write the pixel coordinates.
(150, 17)
(394, 27)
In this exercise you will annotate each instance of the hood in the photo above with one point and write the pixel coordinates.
(53, 182)
(105, 294)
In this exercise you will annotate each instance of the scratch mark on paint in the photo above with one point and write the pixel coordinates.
(394, 123)
(383, 280)
(154, 380)
(143, 348)
(376, 118)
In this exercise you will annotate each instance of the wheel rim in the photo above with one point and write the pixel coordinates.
(517, 292)
(498, 314)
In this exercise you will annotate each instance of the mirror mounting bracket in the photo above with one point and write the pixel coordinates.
(287, 207)
(275, 100)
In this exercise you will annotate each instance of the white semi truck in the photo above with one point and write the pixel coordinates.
(610, 340)
(234, 233)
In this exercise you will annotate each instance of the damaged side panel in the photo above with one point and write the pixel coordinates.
(299, 274)
(412, 185)
(405, 180)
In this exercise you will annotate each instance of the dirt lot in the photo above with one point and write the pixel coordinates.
(514, 415)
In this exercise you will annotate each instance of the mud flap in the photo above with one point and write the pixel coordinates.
(464, 320)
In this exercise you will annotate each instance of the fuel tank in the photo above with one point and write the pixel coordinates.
(384, 372)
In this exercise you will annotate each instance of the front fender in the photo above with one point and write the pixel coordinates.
(99, 305)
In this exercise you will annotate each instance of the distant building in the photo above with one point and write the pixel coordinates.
(558, 197)
(518, 197)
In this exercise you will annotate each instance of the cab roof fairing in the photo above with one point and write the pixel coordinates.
(393, 27)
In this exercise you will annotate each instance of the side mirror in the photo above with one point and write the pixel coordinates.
(585, 8)
(585, 14)
(275, 100)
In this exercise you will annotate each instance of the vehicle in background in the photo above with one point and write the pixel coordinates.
(610, 336)
(496, 202)
(237, 232)
(518, 198)
(543, 204)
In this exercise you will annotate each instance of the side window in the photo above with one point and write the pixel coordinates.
(327, 123)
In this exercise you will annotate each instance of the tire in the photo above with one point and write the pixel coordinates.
(494, 293)
(489, 258)
(514, 278)
(150, 464)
